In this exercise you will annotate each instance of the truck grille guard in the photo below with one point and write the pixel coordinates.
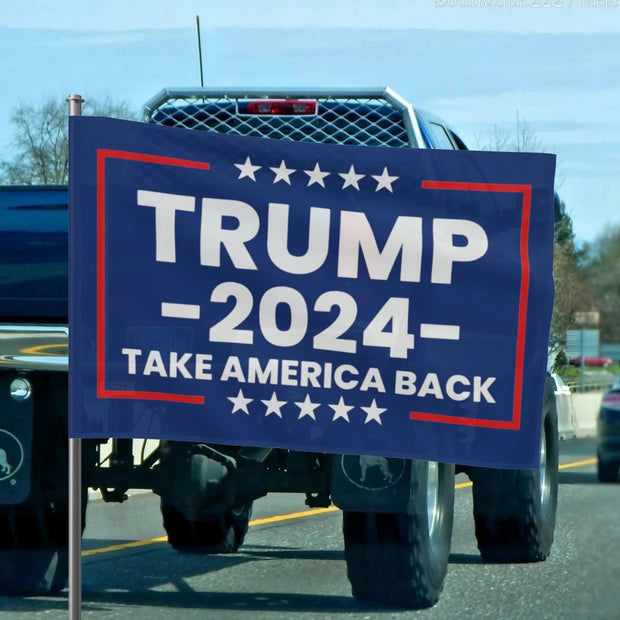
(366, 117)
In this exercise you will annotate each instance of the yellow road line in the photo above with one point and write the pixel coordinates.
(286, 517)
(123, 546)
(293, 515)
(161, 539)
(578, 463)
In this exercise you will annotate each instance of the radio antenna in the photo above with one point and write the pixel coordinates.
(199, 51)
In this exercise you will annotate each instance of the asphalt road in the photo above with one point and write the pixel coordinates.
(293, 567)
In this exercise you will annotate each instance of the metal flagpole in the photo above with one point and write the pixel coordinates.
(75, 482)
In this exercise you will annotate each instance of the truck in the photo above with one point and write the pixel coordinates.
(397, 514)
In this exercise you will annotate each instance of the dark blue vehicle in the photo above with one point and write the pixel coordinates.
(397, 541)
(608, 430)
(34, 257)
(33, 388)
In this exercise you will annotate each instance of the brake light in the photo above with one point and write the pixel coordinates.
(280, 106)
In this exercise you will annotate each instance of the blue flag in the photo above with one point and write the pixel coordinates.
(352, 300)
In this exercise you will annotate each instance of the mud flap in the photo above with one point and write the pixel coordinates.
(15, 444)
(371, 483)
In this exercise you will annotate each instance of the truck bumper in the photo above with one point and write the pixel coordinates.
(34, 347)
(25, 351)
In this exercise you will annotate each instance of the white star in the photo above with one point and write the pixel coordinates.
(384, 181)
(341, 410)
(240, 403)
(282, 173)
(273, 405)
(351, 178)
(247, 169)
(316, 175)
(307, 408)
(373, 412)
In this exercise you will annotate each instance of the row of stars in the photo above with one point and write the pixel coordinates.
(316, 175)
(306, 408)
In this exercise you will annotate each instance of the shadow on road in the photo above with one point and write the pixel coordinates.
(578, 477)
(291, 553)
(465, 558)
(164, 570)
(225, 601)
(168, 568)
(36, 605)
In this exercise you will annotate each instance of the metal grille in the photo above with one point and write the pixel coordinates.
(366, 121)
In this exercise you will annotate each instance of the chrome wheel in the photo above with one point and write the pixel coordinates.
(543, 475)
(432, 501)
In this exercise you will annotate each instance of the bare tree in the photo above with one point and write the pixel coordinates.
(572, 291)
(40, 140)
(521, 139)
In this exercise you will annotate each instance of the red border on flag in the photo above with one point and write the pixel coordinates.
(524, 190)
(102, 155)
(526, 193)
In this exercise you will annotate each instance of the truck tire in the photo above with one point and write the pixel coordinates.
(33, 551)
(220, 534)
(514, 510)
(401, 560)
(607, 472)
(196, 495)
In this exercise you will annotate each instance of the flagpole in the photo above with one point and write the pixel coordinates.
(202, 82)
(75, 482)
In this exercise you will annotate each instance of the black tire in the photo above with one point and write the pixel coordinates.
(220, 534)
(514, 510)
(401, 560)
(33, 551)
(194, 482)
(34, 534)
(607, 472)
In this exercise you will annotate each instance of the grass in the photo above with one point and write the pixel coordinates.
(573, 372)
(594, 377)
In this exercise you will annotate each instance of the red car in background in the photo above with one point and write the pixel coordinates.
(592, 361)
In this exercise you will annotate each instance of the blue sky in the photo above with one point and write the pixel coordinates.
(558, 68)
